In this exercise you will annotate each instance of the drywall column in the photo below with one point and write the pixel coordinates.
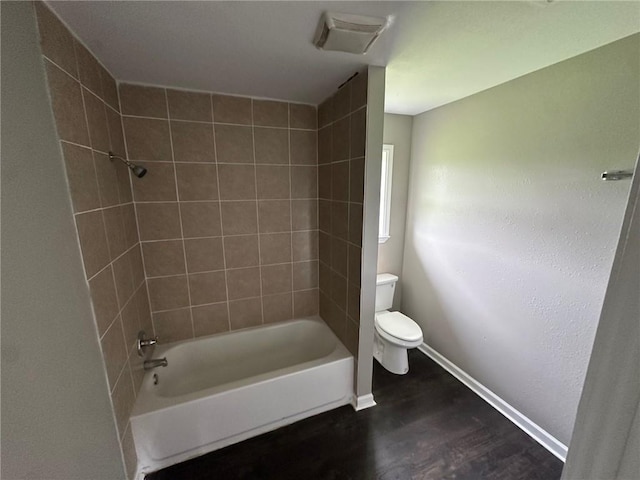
(371, 212)
(57, 421)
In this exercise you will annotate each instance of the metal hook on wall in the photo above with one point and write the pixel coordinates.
(616, 175)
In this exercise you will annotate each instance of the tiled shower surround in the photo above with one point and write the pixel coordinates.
(227, 212)
(250, 213)
(85, 106)
(342, 122)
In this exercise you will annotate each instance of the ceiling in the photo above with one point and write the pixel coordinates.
(435, 52)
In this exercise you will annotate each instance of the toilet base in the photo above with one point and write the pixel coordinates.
(393, 358)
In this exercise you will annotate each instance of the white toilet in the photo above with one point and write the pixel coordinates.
(395, 332)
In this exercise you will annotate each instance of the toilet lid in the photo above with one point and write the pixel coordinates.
(398, 325)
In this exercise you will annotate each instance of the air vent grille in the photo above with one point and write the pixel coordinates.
(356, 27)
(348, 33)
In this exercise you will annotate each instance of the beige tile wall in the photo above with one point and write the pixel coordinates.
(86, 110)
(228, 209)
(341, 150)
(227, 213)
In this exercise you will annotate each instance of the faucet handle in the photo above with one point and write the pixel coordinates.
(144, 342)
(148, 342)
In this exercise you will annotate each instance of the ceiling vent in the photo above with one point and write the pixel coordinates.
(343, 32)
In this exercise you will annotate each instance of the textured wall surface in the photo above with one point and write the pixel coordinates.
(510, 231)
(227, 212)
(606, 437)
(342, 122)
(57, 421)
(397, 132)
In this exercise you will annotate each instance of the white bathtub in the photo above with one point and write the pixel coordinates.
(222, 389)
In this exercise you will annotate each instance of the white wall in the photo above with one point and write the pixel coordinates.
(57, 421)
(370, 215)
(397, 132)
(606, 437)
(511, 233)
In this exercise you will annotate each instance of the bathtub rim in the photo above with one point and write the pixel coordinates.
(146, 403)
(163, 347)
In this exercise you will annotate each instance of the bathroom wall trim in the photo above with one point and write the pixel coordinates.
(363, 402)
(541, 436)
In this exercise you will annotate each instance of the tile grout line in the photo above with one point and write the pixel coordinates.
(348, 161)
(331, 235)
(135, 212)
(109, 264)
(235, 300)
(247, 125)
(178, 162)
(78, 80)
(139, 245)
(115, 167)
(93, 210)
(119, 314)
(175, 178)
(83, 146)
(293, 304)
(173, 275)
(224, 255)
(127, 429)
(317, 222)
(115, 383)
(126, 361)
(104, 226)
(349, 212)
(225, 201)
(134, 299)
(108, 207)
(255, 177)
(135, 394)
(214, 93)
(175, 239)
(78, 41)
(127, 250)
(130, 248)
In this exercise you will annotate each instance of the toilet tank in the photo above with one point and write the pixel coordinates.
(385, 288)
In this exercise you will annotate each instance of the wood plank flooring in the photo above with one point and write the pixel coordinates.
(427, 425)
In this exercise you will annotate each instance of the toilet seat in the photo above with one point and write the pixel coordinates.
(398, 328)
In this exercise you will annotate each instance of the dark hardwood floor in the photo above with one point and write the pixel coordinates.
(427, 425)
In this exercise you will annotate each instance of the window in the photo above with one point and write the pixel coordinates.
(385, 193)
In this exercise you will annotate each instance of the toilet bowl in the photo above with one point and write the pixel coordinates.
(395, 333)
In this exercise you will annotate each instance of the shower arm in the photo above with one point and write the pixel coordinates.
(113, 156)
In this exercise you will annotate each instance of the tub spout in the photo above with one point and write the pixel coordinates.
(155, 362)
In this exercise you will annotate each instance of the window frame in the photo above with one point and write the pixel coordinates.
(386, 185)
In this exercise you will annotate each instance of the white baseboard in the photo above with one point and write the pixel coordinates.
(534, 431)
(362, 402)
